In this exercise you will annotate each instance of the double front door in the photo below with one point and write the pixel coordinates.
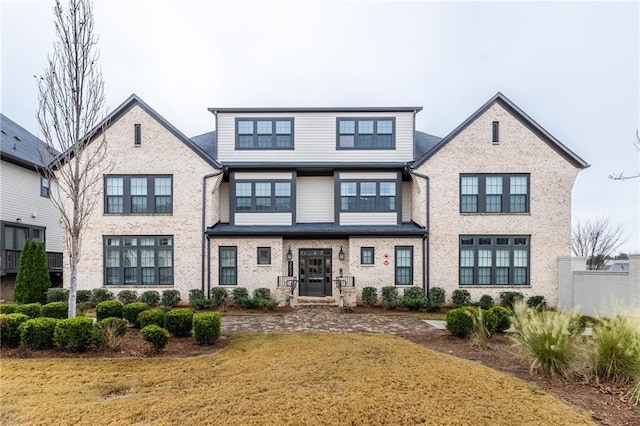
(315, 272)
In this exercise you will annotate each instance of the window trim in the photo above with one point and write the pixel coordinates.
(268, 262)
(395, 265)
(377, 207)
(120, 248)
(255, 146)
(272, 196)
(45, 187)
(481, 205)
(375, 133)
(511, 246)
(235, 267)
(373, 256)
(126, 195)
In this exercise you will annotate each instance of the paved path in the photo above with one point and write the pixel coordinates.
(322, 319)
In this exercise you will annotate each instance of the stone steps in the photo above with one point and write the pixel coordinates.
(316, 301)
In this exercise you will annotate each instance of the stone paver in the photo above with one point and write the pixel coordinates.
(323, 319)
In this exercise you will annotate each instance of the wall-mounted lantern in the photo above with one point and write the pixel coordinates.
(289, 254)
(341, 254)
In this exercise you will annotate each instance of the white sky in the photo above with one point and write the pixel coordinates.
(573, 67)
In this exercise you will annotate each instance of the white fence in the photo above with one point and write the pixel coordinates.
(598, 293)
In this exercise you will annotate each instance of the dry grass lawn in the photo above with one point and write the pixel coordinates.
(277, 380)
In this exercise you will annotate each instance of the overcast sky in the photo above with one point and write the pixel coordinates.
(573, 67)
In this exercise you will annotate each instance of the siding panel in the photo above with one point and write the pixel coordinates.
(263, 219)
(315, 199)
(406, 201)
(368, 218)
(224, 202)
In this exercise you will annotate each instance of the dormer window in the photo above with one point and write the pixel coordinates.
(366, 133)
(264, 133)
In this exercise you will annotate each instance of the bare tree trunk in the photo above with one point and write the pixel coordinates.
(71, 106)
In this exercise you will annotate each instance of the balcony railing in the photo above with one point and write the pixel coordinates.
(344, 281)
(9, 261)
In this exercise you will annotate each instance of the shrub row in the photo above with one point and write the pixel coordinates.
(467, 320)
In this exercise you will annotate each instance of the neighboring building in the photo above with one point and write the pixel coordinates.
(332, 197)
(26, 212)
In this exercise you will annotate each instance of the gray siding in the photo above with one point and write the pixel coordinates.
(315, 199)
(406, 201)
(20, 198)
(224, 202)
(315, 139)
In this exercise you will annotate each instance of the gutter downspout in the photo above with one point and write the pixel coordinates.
(204, 217)
(425, 238)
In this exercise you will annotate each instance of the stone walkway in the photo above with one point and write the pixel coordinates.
(322, 319)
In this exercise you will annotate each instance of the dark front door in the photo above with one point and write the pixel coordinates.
(315, 272)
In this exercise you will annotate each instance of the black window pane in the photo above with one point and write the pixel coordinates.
(263, 203)
(163, 204)
(385, 141)
(165, 275)
(518, 203)
(284, 141)
(283, 203)
(466, 276)
(466, 241)
(265, 141)
(469, 204)
(138, 204)
(243, 203)
(484, 241)
(245, 141)
(114, 204)
(365, 141)
(494, 203)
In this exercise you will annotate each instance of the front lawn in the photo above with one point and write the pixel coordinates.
(276, 379)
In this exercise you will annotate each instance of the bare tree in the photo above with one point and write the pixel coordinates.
(621, 175)
(71, 105)
(596, 241)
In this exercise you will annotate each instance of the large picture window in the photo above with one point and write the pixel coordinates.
(366, 133)
(494, 193)
(264, 133)
(367, 196)
(138, 260)
(494, 260)
(228, 273)
(138, 194)
(263, 196)
(404, 265)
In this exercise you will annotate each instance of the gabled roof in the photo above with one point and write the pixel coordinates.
(423, 142)
(208, 142)
(134, 100)
(514, 110)
(315, 109)
(21, 147)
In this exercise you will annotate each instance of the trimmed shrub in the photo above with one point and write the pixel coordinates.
(83, 296)
(57, 294)
(99, 295)
(206, 328)
(157, 316)
(616, 349)
(435, 300)
(109, 308)
(32, 310)
(369, 297)
(239, 293)
(156, 335)
(170, 298)
(262, 293)
(461, 298)
(128, 296)
(10, 329)
(509, 298)
(390, 298)
(537, 302)
(8, 308)
(74, 334)
(484, 325)
(219, 296)
(179, 322)
(37, 333)
(32, 281)
(131, 311)
(270, 304)
(197, 301)
(414, 299)
(58, 310)
(545, 339)
(150, 297)
(249, 303)
(110, 332)
(82, 307)
(503, 318)
(486, 302)
(460, 322)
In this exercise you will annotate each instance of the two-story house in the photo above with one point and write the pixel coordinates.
(326, 198)
(26, 211)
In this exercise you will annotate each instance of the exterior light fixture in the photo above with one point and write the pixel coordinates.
(341, 254)
(289, 254)
(19, 220)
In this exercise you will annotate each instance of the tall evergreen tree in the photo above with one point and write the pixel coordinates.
(32, 281)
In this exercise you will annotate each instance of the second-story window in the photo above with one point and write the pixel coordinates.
(494, 193)
(138, 194)
(263, 196)
(367, 196)
(44, 187)
(264, 133)
(366, 133)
